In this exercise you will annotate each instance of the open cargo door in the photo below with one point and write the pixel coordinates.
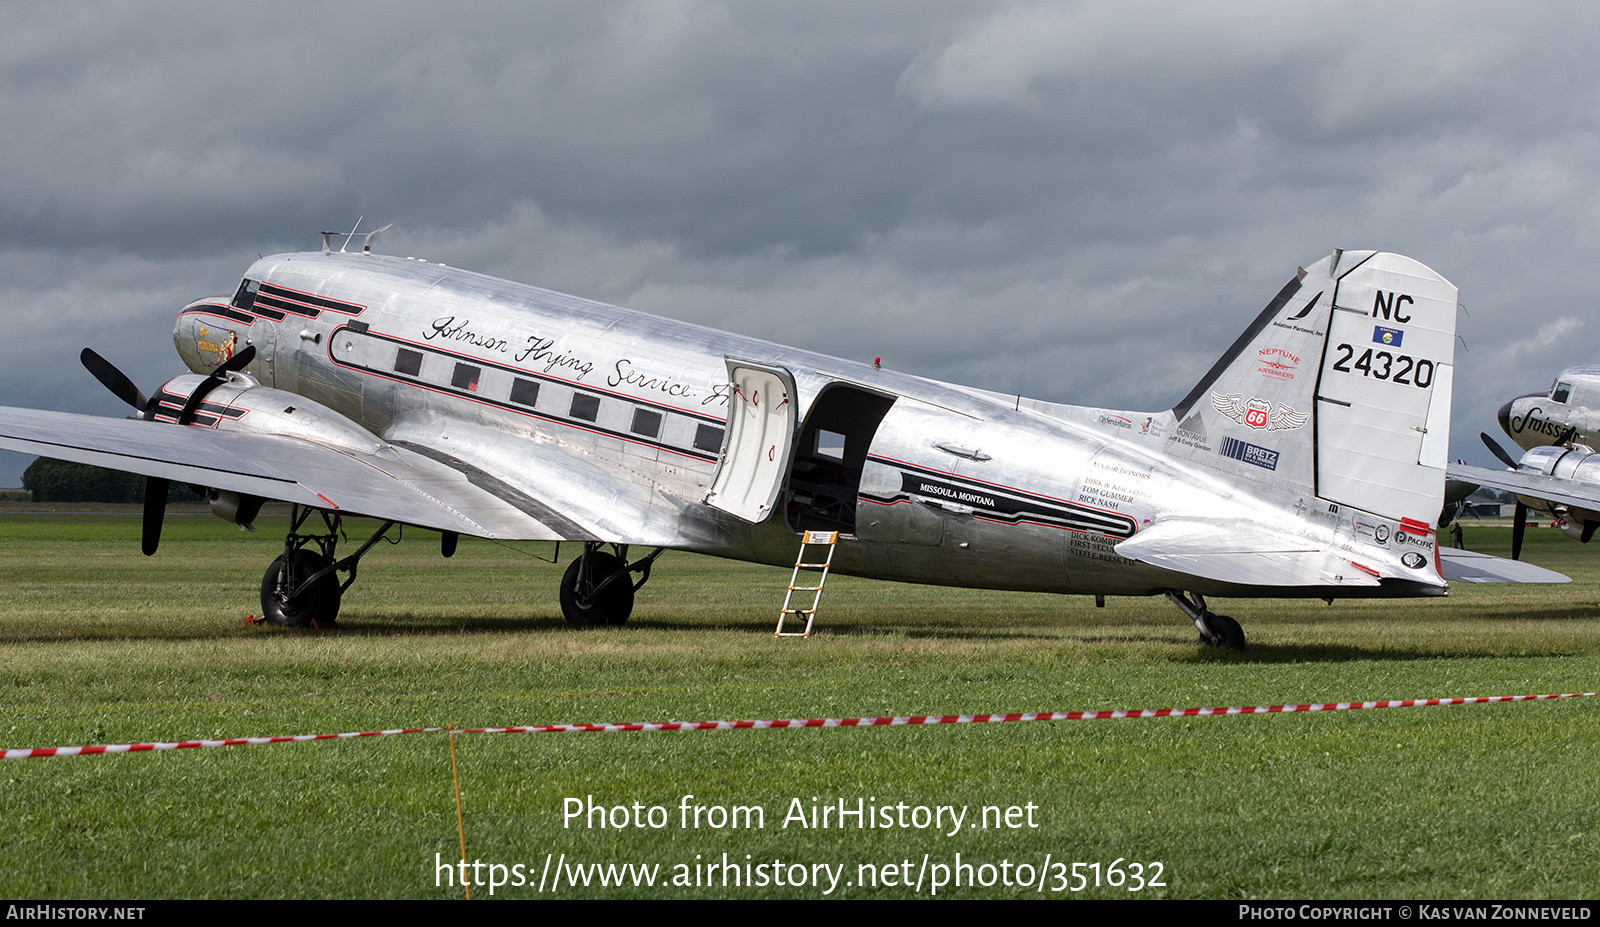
(755, 450)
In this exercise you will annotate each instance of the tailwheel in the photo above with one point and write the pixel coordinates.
(287, 599)
(1226, 633)
(1216, 630)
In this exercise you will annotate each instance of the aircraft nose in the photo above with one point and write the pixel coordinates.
(1505, 417)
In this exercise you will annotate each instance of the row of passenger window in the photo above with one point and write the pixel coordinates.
(585, 407)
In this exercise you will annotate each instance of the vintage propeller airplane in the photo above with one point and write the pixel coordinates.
(1308, 462)
(1558, 475)
(1568, 412)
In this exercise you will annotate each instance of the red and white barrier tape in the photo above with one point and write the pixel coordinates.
(191, 744)
(798, 723)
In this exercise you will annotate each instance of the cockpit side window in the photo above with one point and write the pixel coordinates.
(246, 297)
(1560, 393)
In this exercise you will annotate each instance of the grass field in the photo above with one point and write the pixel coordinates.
(101, 645)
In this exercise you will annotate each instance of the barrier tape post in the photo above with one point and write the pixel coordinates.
(785, 724)
(461, 831)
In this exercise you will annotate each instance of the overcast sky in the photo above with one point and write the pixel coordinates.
(1082, 202)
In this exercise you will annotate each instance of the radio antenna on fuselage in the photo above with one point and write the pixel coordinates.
(350, 236)
(366, 245)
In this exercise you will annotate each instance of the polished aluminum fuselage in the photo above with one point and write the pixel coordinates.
(554, 397)
(1567, 412)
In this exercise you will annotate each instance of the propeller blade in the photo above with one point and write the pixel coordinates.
(113, 379)
(1498, 451)
(235, 363)
(155, 509)
(1519, 525)
(238, 361)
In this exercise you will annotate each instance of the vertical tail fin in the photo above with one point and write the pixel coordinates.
(1340, 389)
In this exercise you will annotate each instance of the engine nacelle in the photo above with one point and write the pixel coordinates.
(232, 507)
(241, 403)
(1575, 530)
(1571, 462)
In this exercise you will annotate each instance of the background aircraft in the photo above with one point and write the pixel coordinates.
(1309, 461)
(1558, 475)
(1566, 413)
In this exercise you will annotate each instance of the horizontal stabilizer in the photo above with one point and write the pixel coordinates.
(1242, 553)
(1467, 566)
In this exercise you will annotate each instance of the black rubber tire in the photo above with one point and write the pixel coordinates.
(317, 606)
(611, 607)
(1229, 635)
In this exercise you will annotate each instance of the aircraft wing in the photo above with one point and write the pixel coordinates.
(1536, 485)
(390, 483)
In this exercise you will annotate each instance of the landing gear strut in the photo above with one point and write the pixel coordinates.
(596, 589)
(302, 588)
(1216, 630)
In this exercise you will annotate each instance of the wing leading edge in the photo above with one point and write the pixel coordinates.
(1566, 492)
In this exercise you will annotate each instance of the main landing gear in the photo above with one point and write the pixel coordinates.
(596, 589)
(1215, 630)
(302, 587)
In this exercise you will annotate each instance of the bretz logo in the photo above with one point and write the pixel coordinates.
(1414, 560)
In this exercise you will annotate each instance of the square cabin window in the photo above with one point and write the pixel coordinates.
(646, 422)
(524, 392)
(830, 444)
(585, 406)
(466, 377)
(708, 438)
(408, 363)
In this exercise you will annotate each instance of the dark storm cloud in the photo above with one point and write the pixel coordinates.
(1084, 202)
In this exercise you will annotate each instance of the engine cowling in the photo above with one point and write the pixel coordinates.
(241, 403)
(1572, 462)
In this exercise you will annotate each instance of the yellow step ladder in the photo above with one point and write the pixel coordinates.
(808, 539)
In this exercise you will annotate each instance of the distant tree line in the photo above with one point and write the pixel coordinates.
(64, 481)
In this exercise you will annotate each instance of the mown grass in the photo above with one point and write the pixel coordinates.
(100, 645)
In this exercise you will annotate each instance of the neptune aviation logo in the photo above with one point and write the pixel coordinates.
(1388, 336)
